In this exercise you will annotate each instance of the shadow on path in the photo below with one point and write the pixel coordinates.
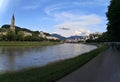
(103, 68)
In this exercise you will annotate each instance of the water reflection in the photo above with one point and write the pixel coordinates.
(16, 58)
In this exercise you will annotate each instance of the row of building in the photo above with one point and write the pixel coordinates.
(91, 36)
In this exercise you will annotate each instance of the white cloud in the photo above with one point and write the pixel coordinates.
(82, 32)
(49, 9)
(74, 4)
(77, 24)
(73, 31)
(64, 16)
(78, 20)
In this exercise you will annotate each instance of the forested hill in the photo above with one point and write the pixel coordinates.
(6, 27)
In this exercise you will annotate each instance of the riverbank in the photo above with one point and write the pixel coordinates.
(104, 68)
(51, 72)
(25, 43)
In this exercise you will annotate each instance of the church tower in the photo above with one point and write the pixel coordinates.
(12, 26)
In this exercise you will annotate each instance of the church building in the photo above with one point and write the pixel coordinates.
(12, 26)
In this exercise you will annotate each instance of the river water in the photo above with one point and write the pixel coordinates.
(17, 58)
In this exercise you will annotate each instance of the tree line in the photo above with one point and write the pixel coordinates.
(20, 36)
(113, 16)
(11, 36)
(113, 25)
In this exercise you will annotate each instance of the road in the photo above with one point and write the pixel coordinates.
(103, 68)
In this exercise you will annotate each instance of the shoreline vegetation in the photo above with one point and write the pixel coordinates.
(27, 43)
(53, 71)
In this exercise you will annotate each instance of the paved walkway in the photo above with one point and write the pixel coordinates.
(103, 68)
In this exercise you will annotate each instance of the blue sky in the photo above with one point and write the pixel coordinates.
(65, 17)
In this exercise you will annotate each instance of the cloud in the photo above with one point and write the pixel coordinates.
(82, 32)
(81, 22)
(49, 9)
(78, 19)
(73, 31)
(64, 16)
(78, 24)
(74, 5)
(64, 28)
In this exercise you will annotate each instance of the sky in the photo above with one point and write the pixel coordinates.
(64, 17)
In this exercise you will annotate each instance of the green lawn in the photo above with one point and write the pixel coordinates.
(51, 72)
(24, 43)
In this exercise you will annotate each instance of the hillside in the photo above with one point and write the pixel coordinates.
(6, 27)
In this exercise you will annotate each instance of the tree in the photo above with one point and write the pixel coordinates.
(113, 16)
(2, 30)
(20, 36)
(28, 38)
(103, 38)
(10, 35)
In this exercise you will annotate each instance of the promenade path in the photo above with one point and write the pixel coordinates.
(103, 68)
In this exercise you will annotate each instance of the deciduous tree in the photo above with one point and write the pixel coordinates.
(113, 16)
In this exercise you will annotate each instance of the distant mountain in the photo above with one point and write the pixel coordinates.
(64, 38)
(58, 36)
(75, 37)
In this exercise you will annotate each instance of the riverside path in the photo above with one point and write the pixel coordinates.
(103, 68)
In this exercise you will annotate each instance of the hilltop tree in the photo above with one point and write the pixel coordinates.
(2, 30)
(113, 16)
(20, 36)
(10, 35)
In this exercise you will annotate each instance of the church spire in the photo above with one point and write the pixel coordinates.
(12, 27)
(13, 18)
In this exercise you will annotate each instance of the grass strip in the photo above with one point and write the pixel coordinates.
(51, 72)
(25, 43)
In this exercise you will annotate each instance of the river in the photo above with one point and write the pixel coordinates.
(17, 58)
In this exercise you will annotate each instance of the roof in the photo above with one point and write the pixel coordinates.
(13, 17)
